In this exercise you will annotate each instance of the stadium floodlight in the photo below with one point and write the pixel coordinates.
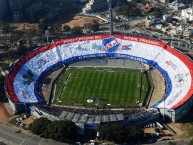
(110, 16)
(172, 36)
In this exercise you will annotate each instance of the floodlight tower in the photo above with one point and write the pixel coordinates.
(110, 17)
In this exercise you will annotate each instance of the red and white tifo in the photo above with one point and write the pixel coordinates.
(177, 69)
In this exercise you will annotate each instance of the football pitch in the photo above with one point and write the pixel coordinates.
(101, 86)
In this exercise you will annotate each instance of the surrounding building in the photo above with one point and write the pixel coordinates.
(3, 8)
(176, 6)
(96, 5)
(165, 1)
(187, 14)
(188, 32)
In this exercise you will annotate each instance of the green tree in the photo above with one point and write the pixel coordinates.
(122, 2)
(128, 9)
(157, 12)
(6, 28)
(92, 26)
(119, 133)
(56, 28)
(76, 30)
(43, 25)
(61, 131)
(39, 125)
(30, 33)
(66, 28)
(191, 142)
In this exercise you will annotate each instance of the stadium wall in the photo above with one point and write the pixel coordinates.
(178, 113)
(25, 77)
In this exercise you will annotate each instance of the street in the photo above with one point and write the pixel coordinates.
(9, 136)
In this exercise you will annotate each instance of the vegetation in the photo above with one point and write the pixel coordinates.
(119, 133)
(127, 9)
(76, 30)
(93, 26)
(66, 28)
(191, 142)
(157, 12)
(64, 131)
(114, 86)
(39, 125)
(43, 25)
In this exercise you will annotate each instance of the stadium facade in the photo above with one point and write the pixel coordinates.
(25, 77)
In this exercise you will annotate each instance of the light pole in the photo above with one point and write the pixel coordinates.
(110, 17)
(171, 39)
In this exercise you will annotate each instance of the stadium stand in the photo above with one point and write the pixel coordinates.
(24, 79)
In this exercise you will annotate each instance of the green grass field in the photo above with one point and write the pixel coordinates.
(103, 85)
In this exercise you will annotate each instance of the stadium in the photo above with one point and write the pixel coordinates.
(27, 76)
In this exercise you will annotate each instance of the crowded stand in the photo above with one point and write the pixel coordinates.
(95, 115)
(24, 79)
(109, 63)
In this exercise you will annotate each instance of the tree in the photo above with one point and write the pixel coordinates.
(122, 2)
(43, 25)
(119, 133)
(134, 133)
(128, 9)
(30, 33)
(56, 27)
(39, 125)
(157, 12)
(92, 26)
(191, 142)
(6, 29)
(66, 28)
(61, 131)
(76, 30)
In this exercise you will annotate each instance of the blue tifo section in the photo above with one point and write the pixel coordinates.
(101, 55)
(110, 44)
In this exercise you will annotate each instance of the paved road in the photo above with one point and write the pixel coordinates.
(8, 136)
(178, 142)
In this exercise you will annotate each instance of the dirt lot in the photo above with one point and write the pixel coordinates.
(24, 26)
(82, 20)
(183, 130)
(159, 89)
(4, 115)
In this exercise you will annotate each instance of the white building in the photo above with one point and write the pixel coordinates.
(176, 6)
(159, 26)
(165, 1)
(167, 17)
(187, 14)
(96, 5)
(188, 32)
(148, 21)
